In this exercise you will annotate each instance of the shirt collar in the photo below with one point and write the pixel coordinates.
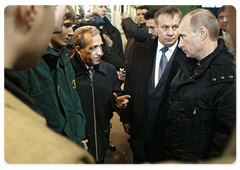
(172, 48)
(89, 67)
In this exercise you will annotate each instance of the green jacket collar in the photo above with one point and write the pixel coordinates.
(50, 51)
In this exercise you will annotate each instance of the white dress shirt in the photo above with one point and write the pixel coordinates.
(168, 54)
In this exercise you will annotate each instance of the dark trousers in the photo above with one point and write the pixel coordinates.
(138, 160)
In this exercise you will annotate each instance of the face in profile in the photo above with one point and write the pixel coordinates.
(167, 29)
(140, 16)
(189, 41)
(100, 9)
(152, 30)
(92, 53)
(61, 39)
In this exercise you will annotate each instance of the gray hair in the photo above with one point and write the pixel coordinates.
(78, 36)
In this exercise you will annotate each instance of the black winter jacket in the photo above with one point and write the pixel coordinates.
(202, 107)
(135, 34)
(97, 102)
(115, 36)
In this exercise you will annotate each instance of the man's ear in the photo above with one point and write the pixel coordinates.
(78, 49)
(203, 31)
(28, 14)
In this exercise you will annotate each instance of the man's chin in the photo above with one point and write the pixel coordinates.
(96, 63)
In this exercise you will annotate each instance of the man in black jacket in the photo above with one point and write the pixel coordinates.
(98, 87)
(110, 30)
(112, 47)
(148, 90)
(202, 104)
(135, 33)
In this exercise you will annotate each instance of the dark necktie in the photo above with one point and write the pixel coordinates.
(90, 70)
(163, 62)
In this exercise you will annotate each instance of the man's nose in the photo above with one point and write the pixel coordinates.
(149, 30)
(100, 51)
(180, 45)
(224, 19)
(170, 31)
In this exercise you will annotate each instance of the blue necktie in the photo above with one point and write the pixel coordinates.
(163, 62)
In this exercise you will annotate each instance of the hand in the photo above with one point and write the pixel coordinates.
(121, 75)
(121, 101)
(85, 144)
(126, 127)
(124, 16)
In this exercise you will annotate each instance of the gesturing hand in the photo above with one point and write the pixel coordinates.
(121, 101)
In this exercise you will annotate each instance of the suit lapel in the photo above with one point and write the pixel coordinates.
(168, 73)
(171, 73)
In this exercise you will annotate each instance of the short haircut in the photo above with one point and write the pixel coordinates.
(167, 10)
(78, 36)
(71, 15)
(222, 9)
(150, 14)
(142, 7)
(203, 17)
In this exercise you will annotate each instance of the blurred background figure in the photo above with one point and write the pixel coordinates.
(135, 33)
(222, 20)
(109, 30)
(149, 17)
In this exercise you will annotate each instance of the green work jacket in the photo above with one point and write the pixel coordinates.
(52, 86)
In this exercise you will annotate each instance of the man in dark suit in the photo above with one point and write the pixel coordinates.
(148, 88)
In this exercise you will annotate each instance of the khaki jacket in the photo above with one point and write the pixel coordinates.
(28, 140)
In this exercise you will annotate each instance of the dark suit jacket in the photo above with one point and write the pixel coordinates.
(147, 103)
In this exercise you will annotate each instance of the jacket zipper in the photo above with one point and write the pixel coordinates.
(195, 111)
(94, 114)
(194, 123)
